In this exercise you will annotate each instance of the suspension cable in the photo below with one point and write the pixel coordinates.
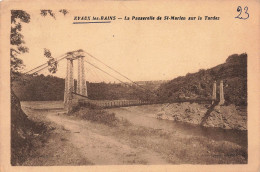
(57, 59)
(106, 72)
(120, 73)
(48, 65)
(115, 77)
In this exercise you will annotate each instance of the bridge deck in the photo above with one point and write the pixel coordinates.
(124, 103)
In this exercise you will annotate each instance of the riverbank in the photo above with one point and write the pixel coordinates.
(226, 117)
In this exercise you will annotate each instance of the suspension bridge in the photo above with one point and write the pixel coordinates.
(74, 95)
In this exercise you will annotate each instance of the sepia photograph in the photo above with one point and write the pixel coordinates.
(130, 83)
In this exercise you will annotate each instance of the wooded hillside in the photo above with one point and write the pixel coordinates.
(199, 85)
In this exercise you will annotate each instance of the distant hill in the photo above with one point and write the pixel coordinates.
(49, 88)
(39, 88)
(199, 85)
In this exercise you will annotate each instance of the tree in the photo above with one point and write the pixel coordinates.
(16, 40)
(18, 118)
(45, 13)
(52, 63)
(21, 127)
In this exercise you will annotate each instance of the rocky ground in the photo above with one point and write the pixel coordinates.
(226, 117)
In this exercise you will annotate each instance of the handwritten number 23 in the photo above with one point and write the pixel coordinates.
(239, 9)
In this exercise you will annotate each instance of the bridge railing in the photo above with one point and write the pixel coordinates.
(113, 103)
(126, 103)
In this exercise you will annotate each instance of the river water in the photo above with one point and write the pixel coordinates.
(147, 119)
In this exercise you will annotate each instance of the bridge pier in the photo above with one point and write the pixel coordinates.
(214, 93)
(81, 84)
(69, 83)
(221, 93)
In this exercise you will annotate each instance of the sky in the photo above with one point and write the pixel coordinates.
(143, 50)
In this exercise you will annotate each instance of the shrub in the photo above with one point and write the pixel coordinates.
(95, 114)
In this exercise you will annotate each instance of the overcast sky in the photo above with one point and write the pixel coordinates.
(142, 50)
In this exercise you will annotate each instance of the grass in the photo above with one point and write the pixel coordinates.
(24, 132)
(25, 139)
(94, 113)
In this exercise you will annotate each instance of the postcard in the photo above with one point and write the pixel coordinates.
(130, 85)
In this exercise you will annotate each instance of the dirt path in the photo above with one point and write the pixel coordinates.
(101, 149)
(72, 141)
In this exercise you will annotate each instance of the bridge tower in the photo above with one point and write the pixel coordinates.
(214, 92)
(221, 93)
(69, 80)
(81, 84)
